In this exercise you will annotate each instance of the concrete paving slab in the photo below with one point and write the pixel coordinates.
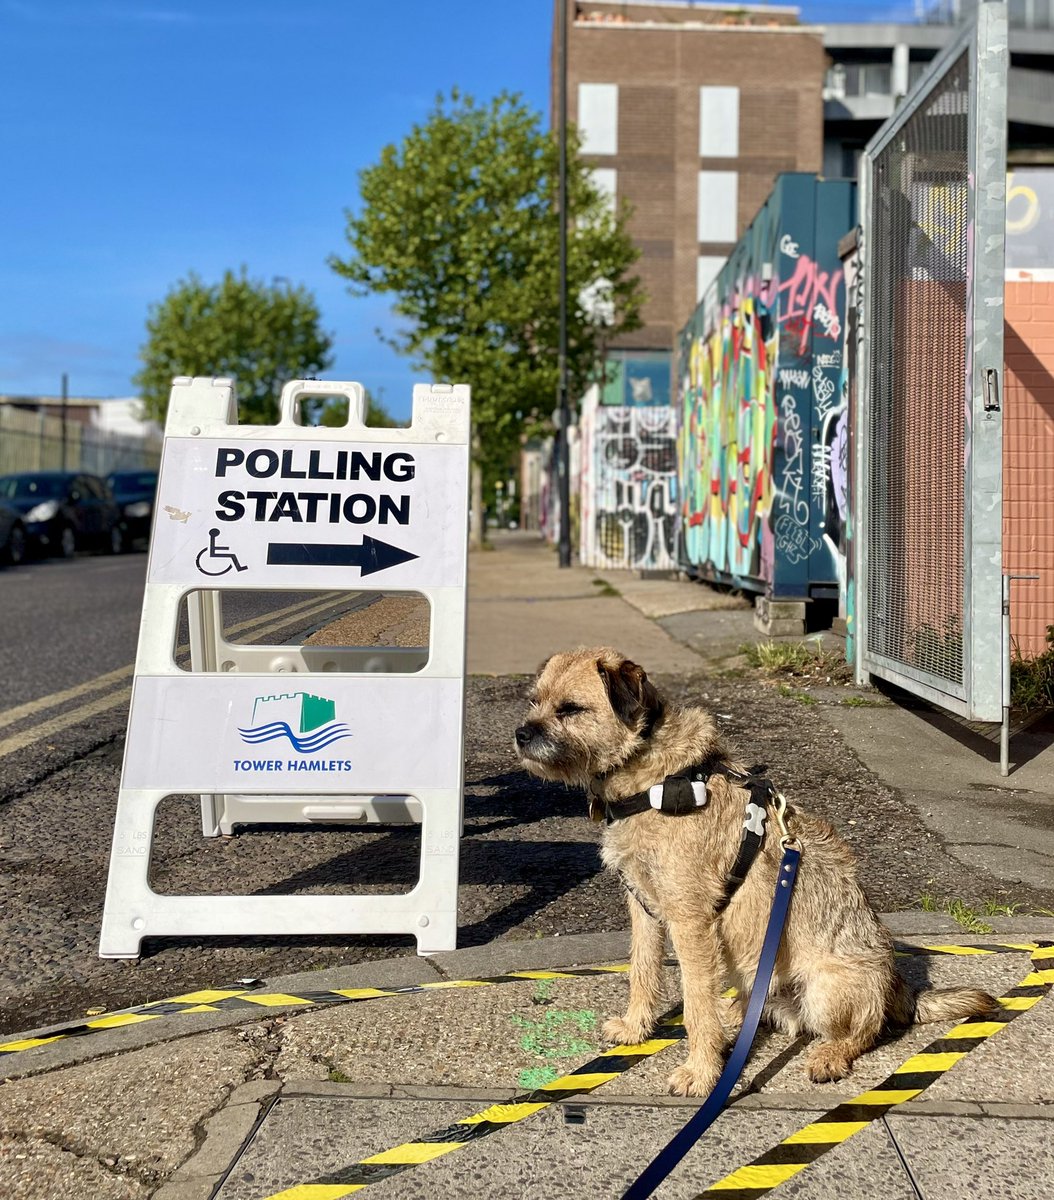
(994, 973)
(523, 607)
(966, 1156)
(468, 1037)
(31, 1169)
(658, 598)
(543, 1156)
(394, 972)
(1012, 1067)
(139, 1110)
(513, 637)
(1004, 826)
(576, 949)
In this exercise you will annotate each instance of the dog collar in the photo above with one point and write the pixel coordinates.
(676, 796)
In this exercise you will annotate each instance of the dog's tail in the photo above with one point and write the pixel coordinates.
(954, 1004)
(941, 1004)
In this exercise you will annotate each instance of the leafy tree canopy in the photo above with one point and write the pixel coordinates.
(261, 335)
(334, 412)
(459, 222)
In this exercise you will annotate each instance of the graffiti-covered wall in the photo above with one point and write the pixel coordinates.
(628, 485)
(760, 379)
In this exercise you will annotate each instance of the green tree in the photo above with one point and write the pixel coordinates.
(261, 335)
(460, 223)
(334, 412)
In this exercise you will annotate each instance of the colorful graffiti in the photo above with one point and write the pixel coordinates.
(629, 487)
(725, 451)
(810, 297)
(763, 450)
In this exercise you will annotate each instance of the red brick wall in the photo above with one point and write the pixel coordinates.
(1028, 458)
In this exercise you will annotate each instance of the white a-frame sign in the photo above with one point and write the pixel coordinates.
(307, 733)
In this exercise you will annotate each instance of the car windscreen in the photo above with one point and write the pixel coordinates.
(33, 487)
(131, 482)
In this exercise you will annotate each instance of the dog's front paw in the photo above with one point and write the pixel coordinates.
(691, 1081)
(827, 1062)
(620, 1031)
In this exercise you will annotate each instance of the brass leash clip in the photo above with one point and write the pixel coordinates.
(786, 837)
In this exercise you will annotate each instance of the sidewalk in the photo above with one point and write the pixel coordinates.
(264, 1091)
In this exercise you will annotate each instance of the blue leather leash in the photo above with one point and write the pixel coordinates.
(679, 1145)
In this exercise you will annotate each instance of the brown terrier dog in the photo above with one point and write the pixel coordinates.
(596, 721)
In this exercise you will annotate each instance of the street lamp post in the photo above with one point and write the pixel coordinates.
(564, 454)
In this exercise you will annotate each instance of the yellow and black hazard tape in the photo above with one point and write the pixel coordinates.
(909, 1080)
(606, 1066)
(210, 1000)
(222, 999)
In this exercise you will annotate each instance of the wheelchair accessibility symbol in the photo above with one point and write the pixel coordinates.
(214, 554)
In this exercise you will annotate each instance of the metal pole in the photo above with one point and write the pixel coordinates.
(65, 398)
(564, 455)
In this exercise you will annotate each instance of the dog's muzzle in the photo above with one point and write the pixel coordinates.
(534, 743)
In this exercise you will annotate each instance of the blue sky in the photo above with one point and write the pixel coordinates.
(143, 139)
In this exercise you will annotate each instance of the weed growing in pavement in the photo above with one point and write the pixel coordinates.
(335, 1075)
(543, 992)
(605, 589)
(969, 918)
(861, 702)
(801, 660)
(958, 910)
(1032, 679)
(801, 697)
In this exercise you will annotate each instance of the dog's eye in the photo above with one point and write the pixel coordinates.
(570, 710)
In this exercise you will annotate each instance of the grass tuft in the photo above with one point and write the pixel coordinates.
(605, 589)
(1032, 679)
(969, 918)
(799, 660)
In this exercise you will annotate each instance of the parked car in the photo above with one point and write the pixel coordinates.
(134, 492)
(63, 511)
(12, 535)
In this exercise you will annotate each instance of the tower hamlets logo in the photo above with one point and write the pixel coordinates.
(306, 721)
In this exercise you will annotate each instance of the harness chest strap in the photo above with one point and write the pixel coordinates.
(679, 795)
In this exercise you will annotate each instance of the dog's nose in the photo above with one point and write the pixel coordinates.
(524, 735)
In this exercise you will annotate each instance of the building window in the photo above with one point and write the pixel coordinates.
(604, 180)
(858, 79)
(708, 266)
(598, 117)
(718, 200)
(719, 122)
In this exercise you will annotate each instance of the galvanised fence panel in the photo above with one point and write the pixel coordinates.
(929, 422)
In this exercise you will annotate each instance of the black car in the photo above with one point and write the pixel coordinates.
(64, 511)
(134, 492)
(12, 535)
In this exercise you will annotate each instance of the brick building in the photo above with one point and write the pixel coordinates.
(688, 112)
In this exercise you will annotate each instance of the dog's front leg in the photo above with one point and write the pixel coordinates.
(695, 941)
(647, 943)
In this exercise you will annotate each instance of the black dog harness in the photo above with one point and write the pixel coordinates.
(679, 795)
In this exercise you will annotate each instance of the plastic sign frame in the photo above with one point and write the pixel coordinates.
(307, 733)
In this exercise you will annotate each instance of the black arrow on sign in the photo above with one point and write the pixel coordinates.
(371, 556)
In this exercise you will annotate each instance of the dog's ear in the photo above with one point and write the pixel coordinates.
(631, 694)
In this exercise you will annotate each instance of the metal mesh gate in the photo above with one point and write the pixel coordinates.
(930, 440)
(918, 386)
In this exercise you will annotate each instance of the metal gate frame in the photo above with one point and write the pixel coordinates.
(980, 695)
